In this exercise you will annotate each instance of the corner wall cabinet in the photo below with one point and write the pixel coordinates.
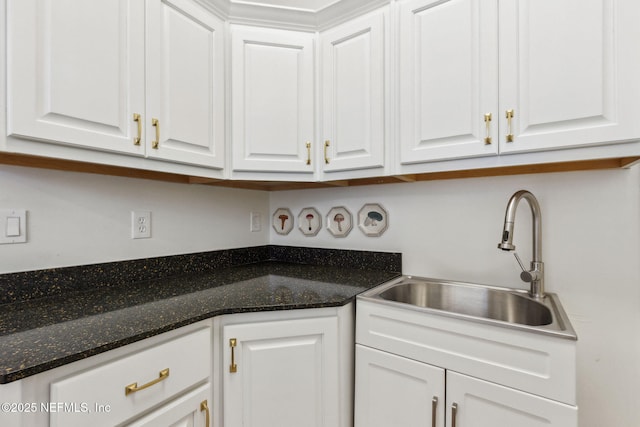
(354, 102)
(130, 77)
(272, 74)
(480, 78)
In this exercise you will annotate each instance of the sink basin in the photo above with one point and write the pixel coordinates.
(501, 306)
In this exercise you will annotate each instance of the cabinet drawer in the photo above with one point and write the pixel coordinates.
(98, 397)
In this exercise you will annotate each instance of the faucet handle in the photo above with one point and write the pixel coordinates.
(519, 261)
(526, 275)
(529, 275)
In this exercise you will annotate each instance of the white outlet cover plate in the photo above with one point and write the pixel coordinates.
(140, 224)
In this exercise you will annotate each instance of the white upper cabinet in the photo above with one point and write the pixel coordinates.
(569, 71)
(185, 83)
(112, 76)
(76, 72)
(482, 77)
(354, 77)
(272, 74)
(448, 79)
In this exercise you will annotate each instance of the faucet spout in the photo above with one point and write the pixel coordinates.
(536, 275)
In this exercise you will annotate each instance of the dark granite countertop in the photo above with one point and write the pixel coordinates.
(42, 333)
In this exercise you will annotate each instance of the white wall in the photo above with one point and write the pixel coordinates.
(76, 218)
(591, 250)
(446, 229)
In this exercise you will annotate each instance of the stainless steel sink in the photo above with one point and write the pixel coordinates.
(499, 306)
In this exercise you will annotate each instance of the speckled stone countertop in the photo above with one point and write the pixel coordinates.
(58, 327)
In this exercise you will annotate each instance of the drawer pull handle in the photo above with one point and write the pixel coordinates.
(308, 145)
(156, 123)
(327, 143)
(132, 388)
(204, 406)
(136, 118)
(487, 121)
(454, 414)
(509, 114)
(233, 368)
(434, 407)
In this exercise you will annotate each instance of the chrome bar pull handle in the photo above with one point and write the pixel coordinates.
(327, 143)
(138, 120)
(156, 124)
(487, 121)
(454, 413)
(509, 115)
(308, 153)
(434, 407)
(204, 406)
(233, 368)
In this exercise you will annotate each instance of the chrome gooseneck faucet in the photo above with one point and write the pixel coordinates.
(536, 274)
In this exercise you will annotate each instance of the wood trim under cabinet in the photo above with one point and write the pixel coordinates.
(85, 167)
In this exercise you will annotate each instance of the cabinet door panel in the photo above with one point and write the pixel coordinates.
(76, 72)
(185, 411)
(286, 374)
(272, 85)
(448, 78)
(396, 391)
(484, 404)
(353, 93)
(185, 83)
(569, 71)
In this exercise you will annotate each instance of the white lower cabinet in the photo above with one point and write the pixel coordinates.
(287, 373)
(394, 390)
(427, 369)
(191, 410)
(478, 403)
(128, 387)
(161, 381)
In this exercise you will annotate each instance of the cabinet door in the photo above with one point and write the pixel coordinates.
(396, 391)
(353, 93)
(76, 72)
(191, 410)
(569, 71)
(185, 84)
(483, 404)
(272, 97)
(286, 374)
(447, 79)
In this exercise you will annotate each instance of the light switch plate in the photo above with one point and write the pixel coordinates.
(255, 222)
(13, 226)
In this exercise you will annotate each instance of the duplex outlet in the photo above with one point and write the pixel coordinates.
(140, 224)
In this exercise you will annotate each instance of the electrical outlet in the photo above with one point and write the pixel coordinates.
(255, 222)
(140, 224)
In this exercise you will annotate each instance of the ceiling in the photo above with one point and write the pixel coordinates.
(301, 5)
